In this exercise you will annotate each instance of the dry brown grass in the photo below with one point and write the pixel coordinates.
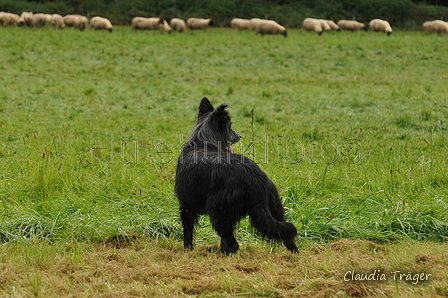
(146, 268)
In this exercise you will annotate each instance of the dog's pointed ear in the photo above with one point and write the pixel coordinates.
(221, 109)
(205, 106)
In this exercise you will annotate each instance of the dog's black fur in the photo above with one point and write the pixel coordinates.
(212, 180)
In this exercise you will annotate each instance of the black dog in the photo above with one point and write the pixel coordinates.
(212, 180)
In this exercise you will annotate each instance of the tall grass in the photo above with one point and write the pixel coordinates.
(350, 126)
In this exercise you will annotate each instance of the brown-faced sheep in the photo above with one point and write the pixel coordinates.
(76, 21)
(198, 24)
(269, 27)
(7, 19)
(140, 23)
(377, 25)
(436, 26)
(57, 21)
(100, 23)
(351, 25)
(25, 19)
(178, 24)
(241, 24)
(310, 24)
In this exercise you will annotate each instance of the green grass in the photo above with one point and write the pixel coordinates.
(351, 127)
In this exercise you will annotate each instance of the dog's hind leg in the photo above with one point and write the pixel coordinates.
(224, 226)
(189, 218)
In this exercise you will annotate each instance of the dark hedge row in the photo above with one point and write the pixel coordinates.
(403, 14)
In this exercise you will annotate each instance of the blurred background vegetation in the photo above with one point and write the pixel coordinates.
(402, 14)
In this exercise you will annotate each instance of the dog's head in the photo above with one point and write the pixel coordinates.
(214, 126)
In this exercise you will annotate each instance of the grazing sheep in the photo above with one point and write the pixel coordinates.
(311, 24)
(351, 25)
(57, 21)
(140, 23)
(324, 24)
(166, 27)
(377, 25)
(254, 21)
(100, 23)
(76, 21)
(178, 24)
(7, 19)
(25, 19)
(436, 26)
(241, 24)
(269, 27)
(333, 25)
(38, 20)
(47, 18)
(198, 24)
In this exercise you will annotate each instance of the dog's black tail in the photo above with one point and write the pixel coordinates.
(271, 228)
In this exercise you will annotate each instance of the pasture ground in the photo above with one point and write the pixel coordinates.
(351, 127)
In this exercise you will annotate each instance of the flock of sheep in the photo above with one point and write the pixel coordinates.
(259, 26)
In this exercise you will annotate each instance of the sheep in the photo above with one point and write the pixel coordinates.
(25, 19)
(178, 24)
(47, 18)
(38, 20)
(254, 21)
(166, 27)
(311, 24)
(269, 27)
(333, 25)
(76, 21)
(351, 25)
(7, 19)
(377, 25)
(436, 26)
(57, 21)
(100, 23)
(324, 24)
(198, 24)
(241, 24)
(140, 23)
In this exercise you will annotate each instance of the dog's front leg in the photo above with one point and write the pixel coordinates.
(189, 218)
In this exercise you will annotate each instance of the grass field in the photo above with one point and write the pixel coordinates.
(352, 127)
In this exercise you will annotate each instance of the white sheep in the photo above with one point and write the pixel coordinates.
(140, 23)
(38, 20)
(47, 18)
(254, 21)
(178, 24)
(166, 27)
(351, 25)
(377, 25)
(269, 27)
(100, 23)
(7, 19)
(333, 25)
(198, 24)
(241, 24)
(76, 21)
(57, 21)
(436, 26)
(324, 25)
(25, 19)
(310, 24)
